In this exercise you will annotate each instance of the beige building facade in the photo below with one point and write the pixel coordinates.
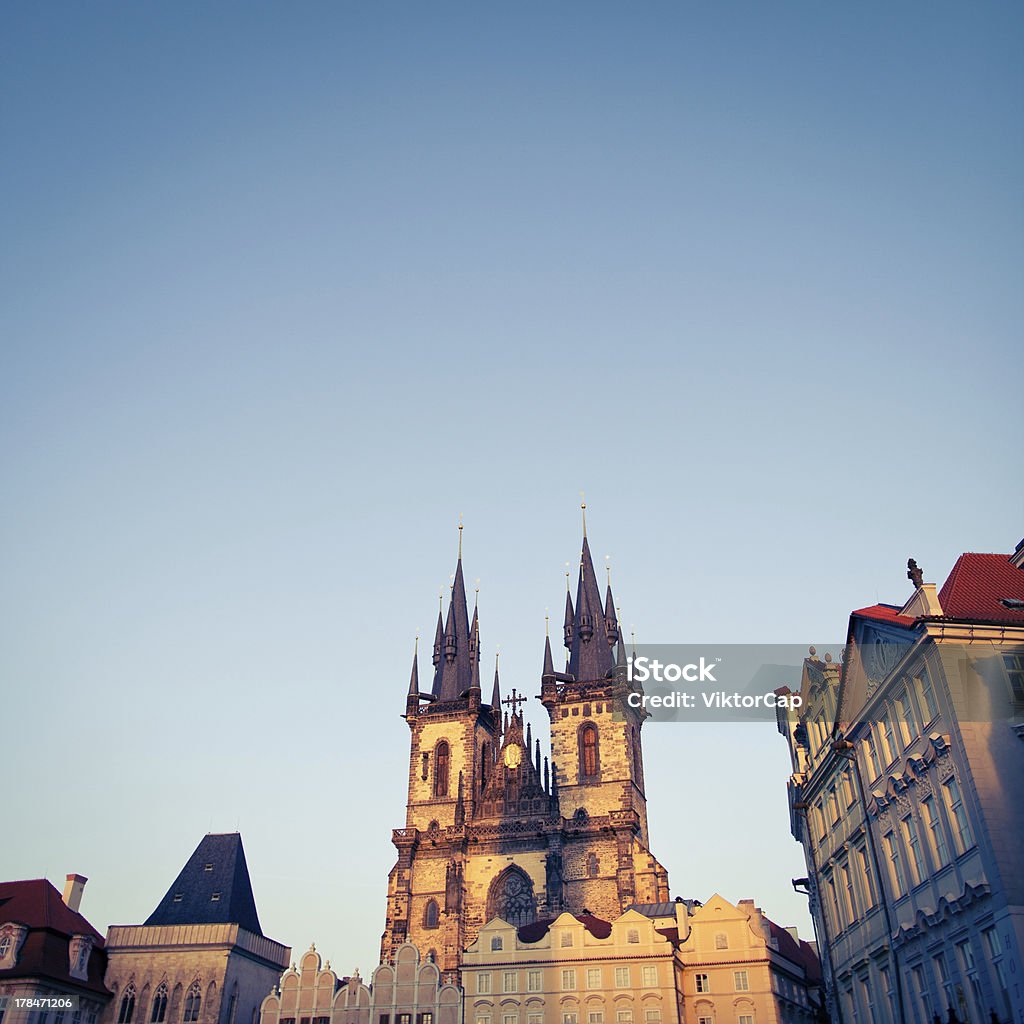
(405, 991)
(576, 969)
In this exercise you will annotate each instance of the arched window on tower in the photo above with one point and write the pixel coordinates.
(511, 897)
(592, 865)
(441, 756)
(430, 914)
(485, 764)
(127, 1010)
(159, 1005)
(590, 760)
(193, 1003)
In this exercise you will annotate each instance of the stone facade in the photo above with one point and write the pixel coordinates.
(905, 793)
(406, 991)
(492, 828)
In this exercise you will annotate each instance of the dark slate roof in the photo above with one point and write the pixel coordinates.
(590, 656)
(213, 888)
(536, 930)
(51, 924)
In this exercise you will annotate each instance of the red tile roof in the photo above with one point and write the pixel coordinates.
(974, 588)
(885, 613)
(45, 953)
(536, 930)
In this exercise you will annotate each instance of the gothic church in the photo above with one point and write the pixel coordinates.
(494, 830)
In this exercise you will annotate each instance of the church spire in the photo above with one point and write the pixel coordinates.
(549, 662)
(414, 681)
(454, 673)
(590, 656)
(496, 692)
(611, 623)
(569, 614)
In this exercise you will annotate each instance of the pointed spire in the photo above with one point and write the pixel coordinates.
(414, 681)
(547, 780)
(591, 657)
(496, 692)
(610, 622)
(570, 615)
(536, 759)
(529, 739)
(549, 662)
(620, 651)
(438, 637)
(454, 676)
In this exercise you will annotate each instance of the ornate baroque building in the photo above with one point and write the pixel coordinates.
(905, 793)
(492, 829)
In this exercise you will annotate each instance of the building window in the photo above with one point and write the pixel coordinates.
(962, 837)
(994, 948)
(595, 1017)
(430, 914)
(702, 982)
(633, 935)
(652, 1016)
(936, 833)
(896, 876)
(590, 762)
(593, 977)
(441, 757)
(622, 977)
(511, 897)
(1015, 674)
(624, 1017)
(740, 981)
(497, 943)
(565, 940)
(193, 1002)
(568, 981)
(534, 981)
(721, 941)
(745, 1018)
(508, 981)
(483, 984)
(705, 1020)
(510, 1018)
(159, 1006)
(918, 869)
(535, 1018)
(483, 1020)
(215, 898)
(404, 1018)
(849, 895)
(569, 1017)
(127, 1010)
(926, 696)
(649, 976)
(873, 760)
(592, 865)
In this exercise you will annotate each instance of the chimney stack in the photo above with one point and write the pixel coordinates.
(73, 888)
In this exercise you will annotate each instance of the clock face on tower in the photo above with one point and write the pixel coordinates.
(513, 755)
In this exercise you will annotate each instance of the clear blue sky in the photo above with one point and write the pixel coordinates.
(284, 289)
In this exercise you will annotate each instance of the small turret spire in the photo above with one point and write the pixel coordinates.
(583, 507)
(496, 692)
(414, 681)
(549, 662)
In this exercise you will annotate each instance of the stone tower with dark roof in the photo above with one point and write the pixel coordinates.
(201, 956)
(492, 827)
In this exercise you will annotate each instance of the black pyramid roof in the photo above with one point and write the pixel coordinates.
(213, 887)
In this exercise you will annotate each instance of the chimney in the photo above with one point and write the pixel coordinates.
(73, 891)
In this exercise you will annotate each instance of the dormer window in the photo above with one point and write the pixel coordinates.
(215, 898)
(497, 944)
(178, 897)
(207, 867)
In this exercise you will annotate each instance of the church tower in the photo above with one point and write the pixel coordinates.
(493, 829)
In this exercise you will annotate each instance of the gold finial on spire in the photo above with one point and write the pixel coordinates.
(608, 568)
(568, 589)
(547, 623)
(583, 507)
(632, 637)
(460, 536)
